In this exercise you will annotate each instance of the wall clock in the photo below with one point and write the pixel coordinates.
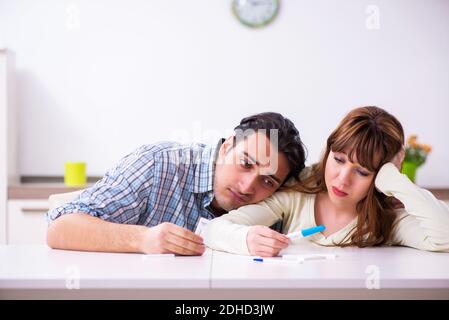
(255, 13)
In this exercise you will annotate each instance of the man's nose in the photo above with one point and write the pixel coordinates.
(247, 184)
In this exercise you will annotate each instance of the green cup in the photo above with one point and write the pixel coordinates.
(75, 174)
(409, 169)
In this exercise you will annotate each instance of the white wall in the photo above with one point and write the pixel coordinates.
(98, 78)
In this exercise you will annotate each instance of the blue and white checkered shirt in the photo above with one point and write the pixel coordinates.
(163, 182)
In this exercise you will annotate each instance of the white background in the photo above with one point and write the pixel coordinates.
(96, 79)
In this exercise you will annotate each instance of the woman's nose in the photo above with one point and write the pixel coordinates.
(345, 177)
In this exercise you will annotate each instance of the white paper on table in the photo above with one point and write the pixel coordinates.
(201, 226)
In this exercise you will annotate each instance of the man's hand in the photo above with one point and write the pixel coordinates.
(264, 242)
(170, 238)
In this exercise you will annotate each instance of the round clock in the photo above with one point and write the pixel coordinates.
(255, 13)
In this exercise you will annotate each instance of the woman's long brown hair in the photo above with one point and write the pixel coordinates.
(374, 137)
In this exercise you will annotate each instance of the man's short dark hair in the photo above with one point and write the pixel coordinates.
(289, 141)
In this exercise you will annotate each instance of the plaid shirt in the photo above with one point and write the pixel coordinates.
(163, 182)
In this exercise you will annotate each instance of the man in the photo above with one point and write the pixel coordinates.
(153, 199)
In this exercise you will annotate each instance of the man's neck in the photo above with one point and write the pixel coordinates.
(216, 209)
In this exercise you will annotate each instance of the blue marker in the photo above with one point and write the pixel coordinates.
(306, 232)
(276, 260)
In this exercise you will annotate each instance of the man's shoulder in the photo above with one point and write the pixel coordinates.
(175, 154)
(181, 162)
(167, 146)
(171, 149)
(153, 150)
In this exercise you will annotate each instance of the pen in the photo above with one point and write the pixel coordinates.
(274, 260)
(306, 232)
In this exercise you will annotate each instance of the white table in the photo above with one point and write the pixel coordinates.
(388, 272)
(36, 271)
(28, 271)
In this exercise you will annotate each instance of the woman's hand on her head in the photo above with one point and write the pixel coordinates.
(265, 242)
(397, 161)
(396, 203)
(399, 158)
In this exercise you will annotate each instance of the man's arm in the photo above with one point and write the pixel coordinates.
(79, 231)
(105, 217)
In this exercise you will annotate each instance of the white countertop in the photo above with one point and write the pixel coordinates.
(39, 267)
(35, 268)
(395, 267)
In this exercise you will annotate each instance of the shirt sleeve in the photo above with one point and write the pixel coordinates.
(424, 222)
(228, 232)
(121, 196)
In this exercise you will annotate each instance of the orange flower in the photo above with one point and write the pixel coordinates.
(412, 141)
(416, 152)
(426, 148)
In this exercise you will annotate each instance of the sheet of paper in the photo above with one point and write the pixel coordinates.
(310, 256)
(201, 226)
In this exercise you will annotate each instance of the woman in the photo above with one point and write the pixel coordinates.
(351, 191)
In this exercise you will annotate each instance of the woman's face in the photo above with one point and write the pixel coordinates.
(347, 182)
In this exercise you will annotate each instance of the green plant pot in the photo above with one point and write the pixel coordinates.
(409, 169)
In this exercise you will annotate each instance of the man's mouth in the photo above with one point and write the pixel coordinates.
(238, 196)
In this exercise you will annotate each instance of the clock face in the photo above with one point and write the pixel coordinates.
(255, 13)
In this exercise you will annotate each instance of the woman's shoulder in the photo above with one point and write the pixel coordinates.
(290, 198)
(293, 181)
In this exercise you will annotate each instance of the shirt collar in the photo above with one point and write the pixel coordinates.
(203, 175)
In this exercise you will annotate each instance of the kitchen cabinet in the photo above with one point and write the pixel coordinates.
(8, 136)
(26, 221)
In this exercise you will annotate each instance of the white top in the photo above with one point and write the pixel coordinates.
(423, 224)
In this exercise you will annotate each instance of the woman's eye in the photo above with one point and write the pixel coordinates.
(338, 160)
(363, 173)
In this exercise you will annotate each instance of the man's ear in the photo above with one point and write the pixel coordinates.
(226, 146)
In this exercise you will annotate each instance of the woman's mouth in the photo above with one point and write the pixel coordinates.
(338, 192)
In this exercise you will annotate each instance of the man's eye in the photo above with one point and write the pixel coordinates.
(245, 164)
(268, 182)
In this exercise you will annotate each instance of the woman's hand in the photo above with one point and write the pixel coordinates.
(264, 242)
(397, 161)
(399, 158)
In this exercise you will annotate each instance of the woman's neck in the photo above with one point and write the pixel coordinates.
(332, 216)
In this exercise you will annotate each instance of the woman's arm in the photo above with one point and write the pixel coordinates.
(424, 222)
(230, 231)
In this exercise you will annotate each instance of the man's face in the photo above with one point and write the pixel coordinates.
(248, 172)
